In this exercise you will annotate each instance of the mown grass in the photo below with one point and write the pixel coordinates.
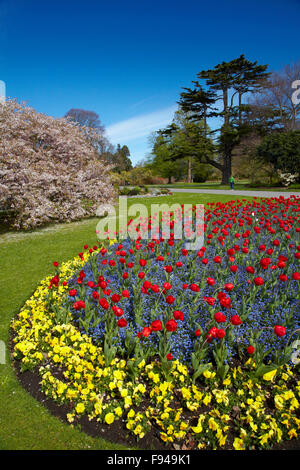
(25, 259)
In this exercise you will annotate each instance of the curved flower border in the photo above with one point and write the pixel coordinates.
(232, 414)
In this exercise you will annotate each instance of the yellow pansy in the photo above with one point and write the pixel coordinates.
(131, 414)
(80, 408)
(270, 375)
(109, 418)
(118, 411)
(208, 374)
(238, 444)
(212, 424)
(207, 399)
(186, 393)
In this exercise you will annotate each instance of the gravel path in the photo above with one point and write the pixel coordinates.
(234, 192)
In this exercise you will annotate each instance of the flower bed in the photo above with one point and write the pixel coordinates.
(195, 346)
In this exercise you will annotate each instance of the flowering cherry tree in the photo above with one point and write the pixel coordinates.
(49, 171)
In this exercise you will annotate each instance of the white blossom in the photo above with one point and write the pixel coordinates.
(49, 170)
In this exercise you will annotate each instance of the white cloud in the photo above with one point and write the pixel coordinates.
(140, 126)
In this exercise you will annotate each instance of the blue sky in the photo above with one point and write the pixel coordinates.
(128, 60)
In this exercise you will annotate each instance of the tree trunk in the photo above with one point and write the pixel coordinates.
(226, 171)
(240, 110)
(189, 175)
(227, 157)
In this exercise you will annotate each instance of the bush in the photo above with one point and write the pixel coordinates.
(201, 172)
(135, 191)
(164, 191)
(124, 191)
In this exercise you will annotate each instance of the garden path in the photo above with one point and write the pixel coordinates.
(285, 194)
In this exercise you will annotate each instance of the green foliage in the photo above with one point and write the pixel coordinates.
(200, 172)
(281, 149)
(181, 144)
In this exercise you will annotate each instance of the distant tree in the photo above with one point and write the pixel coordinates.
(161, 163)
(120, 159)
(90, 122)
(182, 139)
(85, 118)
(276, 95)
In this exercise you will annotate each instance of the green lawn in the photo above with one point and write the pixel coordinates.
(26, 258)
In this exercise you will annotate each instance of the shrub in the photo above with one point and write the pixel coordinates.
(135, 191)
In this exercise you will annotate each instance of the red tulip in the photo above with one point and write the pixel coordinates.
(146, 331)
(258, 281)
(212, 333)
(117, 311)
(168, 269)
(229, 286)
(122, 323)
(79, 305)
(171, 325)
(147, 284)
(194, 288)
(115, 298)
(279, 330)
(220, 333)
(156, 325)
(155, 288)
(104, 304)
(178, 315)
(167, 286)
(235, 320)
(220, 317)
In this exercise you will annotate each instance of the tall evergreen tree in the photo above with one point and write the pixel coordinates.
(227, 82)
(121, 160)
